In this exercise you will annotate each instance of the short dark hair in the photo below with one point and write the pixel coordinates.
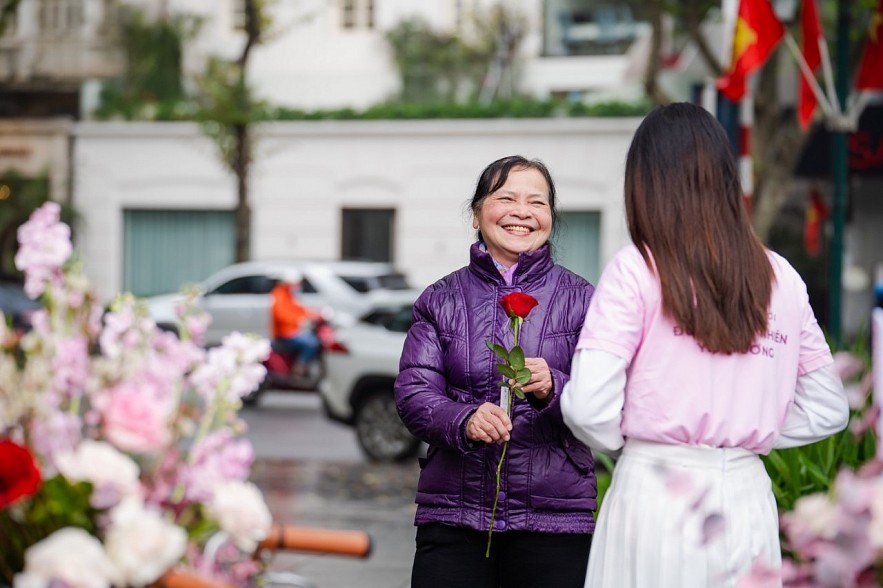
(686, 214)
(495, 175)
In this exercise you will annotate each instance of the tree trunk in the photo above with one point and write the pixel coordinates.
(654, 61)
(241, 167)
(776, 147)
(694, 15)
(242, 136)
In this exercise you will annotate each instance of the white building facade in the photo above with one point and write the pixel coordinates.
(310, 177)
(333, 53)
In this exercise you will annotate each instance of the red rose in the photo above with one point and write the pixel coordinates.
(518, 304)
(19, 475)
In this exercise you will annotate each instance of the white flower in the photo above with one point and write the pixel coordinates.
(142, 544)
(101, 464)
(71, 557)
(240, 509)
(814, 515)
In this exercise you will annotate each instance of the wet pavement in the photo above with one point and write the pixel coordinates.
(313, 475)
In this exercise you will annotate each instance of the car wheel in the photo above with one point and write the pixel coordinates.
(379, 430)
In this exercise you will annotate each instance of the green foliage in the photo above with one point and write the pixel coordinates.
(225, 102)
(434, 66)
(20, 195)
(812, 468)
(805, 470)
(57, 504)
(506, 371)
(516, 358)
(8, 10)
(603, 476)
(523, 107)
(498, 350)
(152, 85)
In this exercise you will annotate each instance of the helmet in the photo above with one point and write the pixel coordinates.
(289, 275)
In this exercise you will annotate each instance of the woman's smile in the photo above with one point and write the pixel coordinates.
(516, 218)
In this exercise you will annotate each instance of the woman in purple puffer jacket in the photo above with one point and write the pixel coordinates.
(448, 393)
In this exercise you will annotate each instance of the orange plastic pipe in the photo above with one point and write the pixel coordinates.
(184, 579)
(335, 542)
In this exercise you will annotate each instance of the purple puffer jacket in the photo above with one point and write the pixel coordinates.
(447, 371)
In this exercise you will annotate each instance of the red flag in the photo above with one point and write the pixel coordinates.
(812, 36)
(816, 213)
(757, 33)
(870, 73)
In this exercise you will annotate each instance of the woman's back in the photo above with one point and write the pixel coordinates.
(678, 391)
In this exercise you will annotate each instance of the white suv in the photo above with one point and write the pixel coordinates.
(358, 389)
(238, 297)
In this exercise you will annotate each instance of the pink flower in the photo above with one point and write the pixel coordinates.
(761, 576)
(814, 517)
(847, 365)
(55, 432)
(70, 366)
(44, 246)
(135, 420)
(213, 460)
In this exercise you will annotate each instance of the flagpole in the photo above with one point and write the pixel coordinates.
(827, 72)
(810, 77)
(839, 177)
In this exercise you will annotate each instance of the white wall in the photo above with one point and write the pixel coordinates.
(305, 172)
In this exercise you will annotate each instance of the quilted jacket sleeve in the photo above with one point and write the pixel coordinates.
(420, 388)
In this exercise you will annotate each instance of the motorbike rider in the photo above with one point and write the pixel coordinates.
(291, 322)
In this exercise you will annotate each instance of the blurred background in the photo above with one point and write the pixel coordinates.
(186, 135)
(184, 138)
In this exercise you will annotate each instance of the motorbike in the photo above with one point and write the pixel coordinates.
(280, 364)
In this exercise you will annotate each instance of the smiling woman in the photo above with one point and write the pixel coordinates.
(525, 520)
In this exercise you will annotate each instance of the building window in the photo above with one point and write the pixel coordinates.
(578, 243)
(61, 15)
(592, 27)
(357, 14)
(367, 234)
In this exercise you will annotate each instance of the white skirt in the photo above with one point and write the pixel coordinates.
(683, 516)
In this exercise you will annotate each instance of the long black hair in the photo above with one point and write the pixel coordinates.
(685, 213)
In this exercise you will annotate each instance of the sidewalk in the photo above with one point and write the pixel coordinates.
(376, 498)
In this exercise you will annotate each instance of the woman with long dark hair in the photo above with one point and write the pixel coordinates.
(699, 352)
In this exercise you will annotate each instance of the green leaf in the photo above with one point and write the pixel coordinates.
(498, 350)
(506, 370)
(518, 392)
(516, 358)
(522, 376)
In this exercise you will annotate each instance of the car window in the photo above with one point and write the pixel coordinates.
(397, 320)
(393, 282)
(307, 288)
(359, 284)
(400, 321)
(364, 284)
(246, 285)
(14, 299)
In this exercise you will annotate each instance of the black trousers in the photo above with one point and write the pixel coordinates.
(450, 557)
